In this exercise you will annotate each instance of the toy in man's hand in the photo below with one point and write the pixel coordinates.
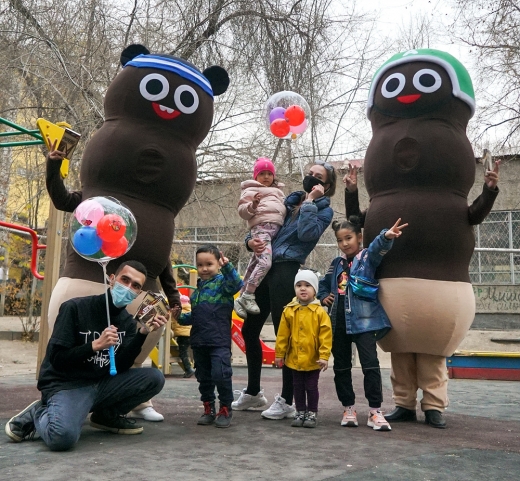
(153, 304)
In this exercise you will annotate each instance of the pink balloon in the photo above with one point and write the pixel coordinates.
(299, 129)
(89, 213)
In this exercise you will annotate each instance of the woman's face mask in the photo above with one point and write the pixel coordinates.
(309, 182)
(122, 295)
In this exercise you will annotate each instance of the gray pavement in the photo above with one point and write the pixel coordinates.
(482, 441)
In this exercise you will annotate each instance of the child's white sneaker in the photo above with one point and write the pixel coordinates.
(349, 417)
(247, 302)
(246, 401)
(279, 409)
(377, 421)
(148, 414)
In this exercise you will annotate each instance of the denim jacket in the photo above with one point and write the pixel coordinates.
(360, 315)
(298, 237)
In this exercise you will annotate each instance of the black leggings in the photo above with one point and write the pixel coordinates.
(272, 295)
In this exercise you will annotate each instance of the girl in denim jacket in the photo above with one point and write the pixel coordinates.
(356, 319)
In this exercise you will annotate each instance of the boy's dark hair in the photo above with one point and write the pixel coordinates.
(208, 249)
(353, 223)
(134, 265)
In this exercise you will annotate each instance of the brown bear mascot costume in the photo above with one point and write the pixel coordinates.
(420, 167)
(158, 110)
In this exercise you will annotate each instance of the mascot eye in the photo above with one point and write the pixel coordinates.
(154, 87)
(427, 81)
(393, 85)
(186, 99)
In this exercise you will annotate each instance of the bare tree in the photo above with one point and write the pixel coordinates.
(492, 30)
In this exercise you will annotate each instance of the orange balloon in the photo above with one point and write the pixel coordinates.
(111, 227)
(295, 115)
(280, 128)
(115, 249)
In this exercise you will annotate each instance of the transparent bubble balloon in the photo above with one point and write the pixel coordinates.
(287, 115)
(102, 229)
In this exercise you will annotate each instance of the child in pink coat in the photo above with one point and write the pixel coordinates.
(262, 206)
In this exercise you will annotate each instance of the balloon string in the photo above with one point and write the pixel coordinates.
(298, 157)
(104, 266)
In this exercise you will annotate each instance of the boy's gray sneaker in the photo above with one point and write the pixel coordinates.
(209, 414)
(246, 401)
(21, 426)
(224, 417)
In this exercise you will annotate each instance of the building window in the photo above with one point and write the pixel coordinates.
(500, 230)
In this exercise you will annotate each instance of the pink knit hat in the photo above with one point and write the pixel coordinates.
(261, 164)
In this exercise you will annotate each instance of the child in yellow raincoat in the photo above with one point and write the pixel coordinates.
(303, 344)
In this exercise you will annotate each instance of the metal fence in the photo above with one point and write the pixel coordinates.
(496, 259)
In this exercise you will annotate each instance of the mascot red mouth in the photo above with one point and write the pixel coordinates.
(408, 99)
(165, 112)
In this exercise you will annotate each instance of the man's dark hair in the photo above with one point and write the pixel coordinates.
(134, 265)
(209, 249)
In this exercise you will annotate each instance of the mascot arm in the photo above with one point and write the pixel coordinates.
(60, 196)
(169, 286)
(352, 206)
(482, 205)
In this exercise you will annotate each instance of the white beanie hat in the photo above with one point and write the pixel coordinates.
(308, 276)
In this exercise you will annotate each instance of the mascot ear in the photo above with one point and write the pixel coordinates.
(218, 78)
(132, 51)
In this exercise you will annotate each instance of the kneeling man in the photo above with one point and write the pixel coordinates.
(74, 377)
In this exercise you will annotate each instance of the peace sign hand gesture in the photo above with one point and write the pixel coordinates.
(395, 230)
(350, 179)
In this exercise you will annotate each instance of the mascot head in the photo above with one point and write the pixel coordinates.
(165, 92)
(158, 110)
(419, 82)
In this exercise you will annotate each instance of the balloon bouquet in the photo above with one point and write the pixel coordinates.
(287, 115)
(102, 229)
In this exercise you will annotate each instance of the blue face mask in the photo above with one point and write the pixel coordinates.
(122, 295)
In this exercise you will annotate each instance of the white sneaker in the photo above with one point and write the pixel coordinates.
(248, 303)
(246, 401)
(148, 414)
(279, 409)
(239, 309)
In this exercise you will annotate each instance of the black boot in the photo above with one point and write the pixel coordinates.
(209, 414)
(400, 414)
(188, 369)
(434, 419)
(224, 417)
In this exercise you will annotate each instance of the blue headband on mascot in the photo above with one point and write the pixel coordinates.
(175, 66)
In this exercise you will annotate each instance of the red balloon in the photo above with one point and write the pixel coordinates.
(115, 249)
(279, 128)
(111, 227)
(295, 115)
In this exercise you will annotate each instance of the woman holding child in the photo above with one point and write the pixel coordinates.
(308, 215)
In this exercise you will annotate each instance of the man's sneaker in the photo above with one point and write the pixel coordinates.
(246, 401)
(21, 426)
(209, 414)
(239, 309)
(349, 417)
(224, 417)
(279, 409)
(148, 414)
(299, 417)
(248, 303)
(377, 421)
(311, 420)
(116, 424)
